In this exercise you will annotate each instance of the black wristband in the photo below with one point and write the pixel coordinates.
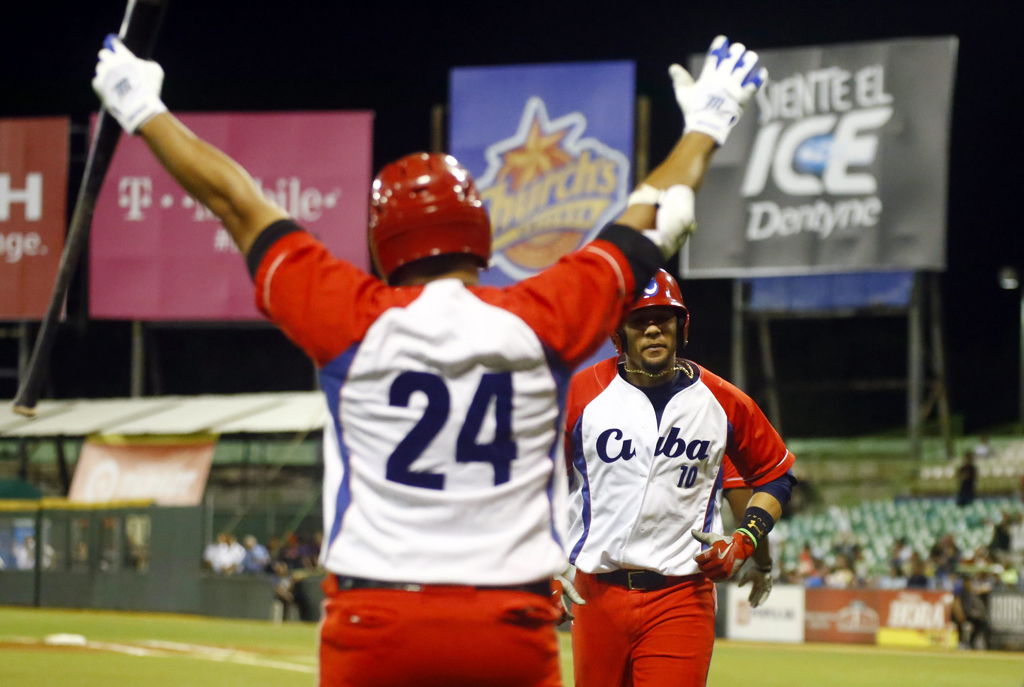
(758, 522)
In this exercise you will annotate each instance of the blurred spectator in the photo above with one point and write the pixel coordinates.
(945, 556)
(900, 556)
(1000, 544)
(315, 546)
(967, 477)
(917, 577)
(893, 579)
(841, 576)
(805, 566)
(309, 551)
(274, 547)
(291, 553)
(983, 449)
(25, 554)
(970, 613)
(225, 556)
(257, 558)
(816, 578)
(284, 591)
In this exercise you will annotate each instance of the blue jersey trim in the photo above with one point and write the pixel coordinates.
(579, 461)
(332, 379)
(709, 512)
(561, 374)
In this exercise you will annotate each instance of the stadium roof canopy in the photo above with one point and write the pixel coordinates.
(170, 415)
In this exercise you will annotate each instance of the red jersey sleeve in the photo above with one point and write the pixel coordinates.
(321, 303)
(584, 388)
(731, 478)
(754, 449)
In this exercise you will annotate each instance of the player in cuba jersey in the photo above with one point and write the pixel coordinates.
(651, 437)
(445, 505)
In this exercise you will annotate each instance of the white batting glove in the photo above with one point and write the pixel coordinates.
(128, 86)
(760, 581)
(675, 220)
(568, 589)
(714, 102)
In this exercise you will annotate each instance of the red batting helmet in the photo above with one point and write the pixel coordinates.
(662, 290)
(423, 205)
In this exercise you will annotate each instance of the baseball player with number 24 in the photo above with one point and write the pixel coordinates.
(445, 507)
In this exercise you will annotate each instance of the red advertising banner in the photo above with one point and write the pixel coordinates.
(33, 196)
(156, 254)
(857, 615)
(171, 473)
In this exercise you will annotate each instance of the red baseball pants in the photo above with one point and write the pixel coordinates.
(632, 638)
(439, 637)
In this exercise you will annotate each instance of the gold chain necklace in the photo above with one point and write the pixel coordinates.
(678, 367)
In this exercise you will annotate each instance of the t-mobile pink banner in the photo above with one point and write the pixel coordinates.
(158, 255)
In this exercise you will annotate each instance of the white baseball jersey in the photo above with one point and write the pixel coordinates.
(642, 479)
(444, 403)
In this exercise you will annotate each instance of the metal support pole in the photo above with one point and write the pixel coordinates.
(915, 375)
(437, 113)
(768, 367)
(138, 371)
(642, 149)
(938, 359)
(739, 372)
(62, 465)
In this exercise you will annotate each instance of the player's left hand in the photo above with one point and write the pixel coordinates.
(565, 588)
(724, 555)
(760, 580)
(128, 86)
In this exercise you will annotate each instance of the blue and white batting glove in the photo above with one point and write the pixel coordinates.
(714, 102)
(128, 86)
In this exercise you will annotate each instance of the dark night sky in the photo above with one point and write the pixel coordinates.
(395, 59)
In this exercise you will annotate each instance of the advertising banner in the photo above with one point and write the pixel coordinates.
(779, 619)
(171, 472)
(857, 615)
(156, 254)
(33, 199)
(840, 165)
(549, 147)
(1006, 619)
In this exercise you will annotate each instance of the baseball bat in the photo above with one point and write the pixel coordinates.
(139, 28)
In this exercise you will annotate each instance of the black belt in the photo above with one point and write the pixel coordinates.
(643, 580)
(345, 583)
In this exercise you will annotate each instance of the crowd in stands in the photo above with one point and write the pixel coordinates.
(284, 561)
(295, 552)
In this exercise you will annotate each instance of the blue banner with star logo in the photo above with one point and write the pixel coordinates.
(549, 147)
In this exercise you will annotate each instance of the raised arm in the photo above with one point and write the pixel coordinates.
(663, 204)
(130, 90)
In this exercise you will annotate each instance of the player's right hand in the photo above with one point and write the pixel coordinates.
(724, 555)
(714, 102)
(128, 86)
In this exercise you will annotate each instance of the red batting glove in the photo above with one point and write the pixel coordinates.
(725, 555)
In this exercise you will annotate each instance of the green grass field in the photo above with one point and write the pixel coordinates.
(170, 651)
